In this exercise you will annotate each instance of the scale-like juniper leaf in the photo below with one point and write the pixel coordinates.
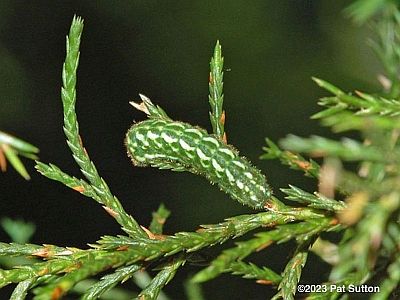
(180, 146)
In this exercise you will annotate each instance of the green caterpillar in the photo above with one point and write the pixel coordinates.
(168, 144)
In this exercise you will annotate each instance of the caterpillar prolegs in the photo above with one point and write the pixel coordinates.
(167, 144)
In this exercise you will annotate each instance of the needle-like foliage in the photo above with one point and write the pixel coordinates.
(216, 96)
(10, 148)
(359, 203)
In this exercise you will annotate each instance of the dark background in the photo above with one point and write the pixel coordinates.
(162, 49)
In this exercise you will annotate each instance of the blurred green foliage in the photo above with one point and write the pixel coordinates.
(161, 49)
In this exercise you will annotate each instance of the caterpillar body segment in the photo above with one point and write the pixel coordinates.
(168, 144)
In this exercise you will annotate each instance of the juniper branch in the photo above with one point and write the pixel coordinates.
(317, 200)
(191, 241)
(346, 121)
(93, 263)
(300, 231)
(359, 253)
(109, 281)
(159, 218)
(22, 288)
(348, 149)
(161, 279)
(293, 160)
(389, 284)
(10, 148)
(71, 130)
(392, 239)
(45, 251)
(251, 271)
(53, 172)
(363, 103)
(116, 293)
(291, 275)
(151, 110)
(378, 120)
(387, 47)
(216, 96)
(69, 262)
(193, 290)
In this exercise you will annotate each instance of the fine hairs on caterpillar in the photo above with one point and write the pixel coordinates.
(167, 144)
